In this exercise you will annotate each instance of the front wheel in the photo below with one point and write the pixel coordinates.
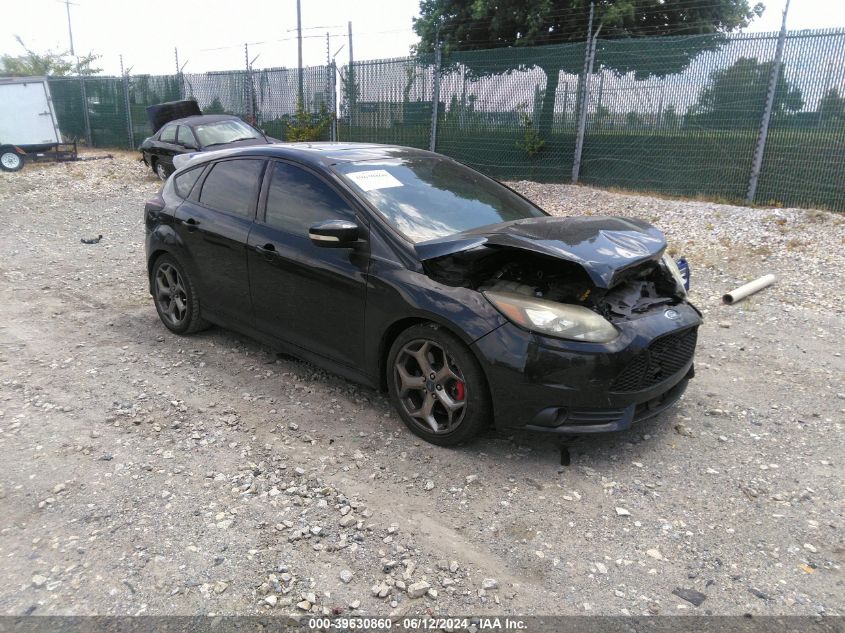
(177, 301)
(10, 160)
(161, 170)
(437, 385)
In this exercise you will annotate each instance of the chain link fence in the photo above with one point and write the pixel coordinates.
(672, 115)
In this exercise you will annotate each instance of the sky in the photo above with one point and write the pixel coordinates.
(210, 34)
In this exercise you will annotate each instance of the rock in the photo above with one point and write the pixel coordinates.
(271, 600)
(59, 488)
(471, 479)
(38, 581)
(381, 590)
(692, 596)
(429, 485)
(348, 521)
(601, 568)
(655, 554)
(759, 594)
(354, 604)
(489, 583)
(622, 512)
(810, 548)
(346, 576)
(682, 429)
(418, 589)
(304, 605)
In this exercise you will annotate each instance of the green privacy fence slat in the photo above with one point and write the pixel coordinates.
(675, 115)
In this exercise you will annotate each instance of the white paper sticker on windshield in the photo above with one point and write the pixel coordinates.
(373, 179)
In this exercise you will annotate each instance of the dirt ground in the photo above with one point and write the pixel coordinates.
(144, 473)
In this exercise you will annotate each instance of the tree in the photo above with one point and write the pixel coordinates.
(307, 127)
(33, 64)
(461, 25)
(736, 95)
(832, 106)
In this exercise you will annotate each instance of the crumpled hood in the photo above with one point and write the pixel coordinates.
(604, 246)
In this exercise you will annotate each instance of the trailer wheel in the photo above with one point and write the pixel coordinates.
(10, 160)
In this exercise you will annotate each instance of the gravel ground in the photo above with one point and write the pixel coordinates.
(143, 473)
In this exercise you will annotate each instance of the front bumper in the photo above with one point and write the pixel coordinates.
(540, 383)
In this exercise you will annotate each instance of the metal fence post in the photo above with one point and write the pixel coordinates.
(85, 117)
(435, 106)
(332, 99)
(124, 76)
(760, 148)
(582, 99)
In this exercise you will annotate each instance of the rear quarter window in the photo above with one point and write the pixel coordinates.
(184, 182)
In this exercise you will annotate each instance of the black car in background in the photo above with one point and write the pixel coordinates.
(403, 269)
(196, 134)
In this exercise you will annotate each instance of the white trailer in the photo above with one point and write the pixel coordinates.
(28, 126)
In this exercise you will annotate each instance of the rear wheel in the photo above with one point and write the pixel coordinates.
(10, 160)
(437, 386)
(176, 298)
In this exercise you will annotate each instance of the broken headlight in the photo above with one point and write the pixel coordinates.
(557, 319)
(672, 266)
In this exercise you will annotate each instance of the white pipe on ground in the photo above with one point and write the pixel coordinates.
(748, 289)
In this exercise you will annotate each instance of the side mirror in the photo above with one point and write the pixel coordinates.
(334, 234)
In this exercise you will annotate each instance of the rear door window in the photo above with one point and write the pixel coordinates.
(232, 186)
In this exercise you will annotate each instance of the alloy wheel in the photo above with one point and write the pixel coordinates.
(170, 294)
(161, 171)
(430, 386)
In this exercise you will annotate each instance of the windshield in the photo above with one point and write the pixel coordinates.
(224, 132)
(429, 197)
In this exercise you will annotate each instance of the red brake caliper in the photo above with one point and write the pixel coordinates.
(460, 392)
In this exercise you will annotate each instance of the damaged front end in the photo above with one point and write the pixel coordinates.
(612, 266)
(600, 334)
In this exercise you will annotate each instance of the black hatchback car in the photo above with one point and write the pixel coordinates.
(403, 269)
(197, 133)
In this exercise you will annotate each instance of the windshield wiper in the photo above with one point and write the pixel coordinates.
(234, 140)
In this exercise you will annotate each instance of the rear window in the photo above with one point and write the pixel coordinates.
(232, 186)
(184, 182)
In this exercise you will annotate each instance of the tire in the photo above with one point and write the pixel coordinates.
(176, 299)
(10, 160)
(454, 405)
(161, 170)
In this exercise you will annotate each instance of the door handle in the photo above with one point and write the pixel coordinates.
(268, 250)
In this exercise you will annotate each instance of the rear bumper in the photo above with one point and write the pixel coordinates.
(550, 385)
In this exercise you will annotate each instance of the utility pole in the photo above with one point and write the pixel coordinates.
(82, 89)
(299, 48)
(767, 113)
(69, 29)
(351, 97)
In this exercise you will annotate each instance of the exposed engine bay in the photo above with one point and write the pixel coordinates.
(636, 291)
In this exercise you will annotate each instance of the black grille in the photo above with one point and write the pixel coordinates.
(664, 358)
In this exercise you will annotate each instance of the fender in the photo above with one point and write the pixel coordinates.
(164, 239)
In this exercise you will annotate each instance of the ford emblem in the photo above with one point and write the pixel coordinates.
(671, 314)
